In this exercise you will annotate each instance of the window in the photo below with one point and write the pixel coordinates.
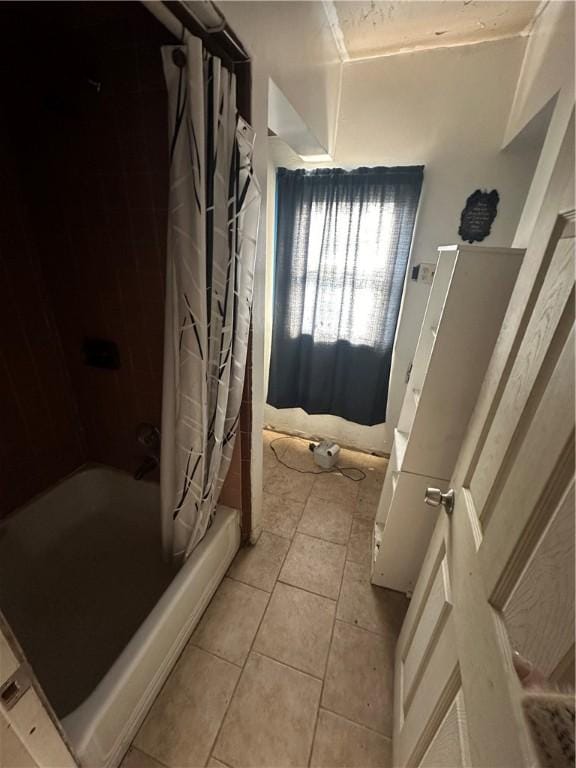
(342, 246)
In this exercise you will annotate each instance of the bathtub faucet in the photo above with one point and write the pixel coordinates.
(150, 463)
(149, 436)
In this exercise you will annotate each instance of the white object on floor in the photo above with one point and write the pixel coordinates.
(326, 454)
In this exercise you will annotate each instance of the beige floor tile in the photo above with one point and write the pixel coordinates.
(270, 722)
(134, 758)
(333, 486)
(329, 520)
(375, 608)
(339, 743)
(268, 436)
(258, 565)
(181, 726)
(297, 628)
(314, 565)
(270, 461)
(282, 481)
(372, 484)
(367, 505)
(360, 677)
(299, 456)
(360, 542)
(281, 515)
(231, 621)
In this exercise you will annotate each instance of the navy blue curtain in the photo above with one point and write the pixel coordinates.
(342, 245)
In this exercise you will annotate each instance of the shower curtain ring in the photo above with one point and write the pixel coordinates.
(179, 57)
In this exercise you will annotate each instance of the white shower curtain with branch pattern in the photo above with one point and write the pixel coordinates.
(212, 228)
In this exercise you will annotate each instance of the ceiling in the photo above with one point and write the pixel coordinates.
(369, 29)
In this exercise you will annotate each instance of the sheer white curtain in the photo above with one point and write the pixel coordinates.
(212, 229)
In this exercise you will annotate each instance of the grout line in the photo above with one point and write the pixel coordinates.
(285, 664)
(143, 751)
(357, 626)
(216, 737)
(211, 757)
(319, 538)
(216, 655)
(222, 721)
(314, 732)
(309, 591)
(355, 722)
(246, 584)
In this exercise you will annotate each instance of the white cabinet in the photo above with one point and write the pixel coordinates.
(466, 305)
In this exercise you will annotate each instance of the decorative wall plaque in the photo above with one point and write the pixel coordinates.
(478, 214)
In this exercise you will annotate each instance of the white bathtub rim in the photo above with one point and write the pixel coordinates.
(81, 725)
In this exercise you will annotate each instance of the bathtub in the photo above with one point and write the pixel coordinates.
(110, 503)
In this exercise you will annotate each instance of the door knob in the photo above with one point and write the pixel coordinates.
(434, 498)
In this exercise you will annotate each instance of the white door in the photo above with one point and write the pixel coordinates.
(499, 571)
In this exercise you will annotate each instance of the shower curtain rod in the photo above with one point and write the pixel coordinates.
(220, 35)
(219, 27)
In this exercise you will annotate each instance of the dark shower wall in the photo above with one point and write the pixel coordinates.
(89, 151)
(40, 432)
(107, 180)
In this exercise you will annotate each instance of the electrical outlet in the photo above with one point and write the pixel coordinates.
(426, 273)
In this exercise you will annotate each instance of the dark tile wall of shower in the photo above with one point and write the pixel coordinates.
(41, 438)
(89, 150)
(107, 184)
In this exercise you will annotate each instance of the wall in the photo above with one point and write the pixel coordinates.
(100, 205)
(291, 43)
(447, 109)
(41, 438)
(546, 82)
(548, 65)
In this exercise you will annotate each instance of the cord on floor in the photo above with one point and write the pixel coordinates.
(342, 470)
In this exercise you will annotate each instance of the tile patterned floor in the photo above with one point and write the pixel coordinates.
(292, 662)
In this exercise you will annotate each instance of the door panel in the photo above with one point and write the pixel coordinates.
(450, 743)
(545, 453)
(539, 614)
(556, 302)
(436, 610)
(426, 667)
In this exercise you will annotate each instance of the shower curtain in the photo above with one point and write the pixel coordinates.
(212, 229)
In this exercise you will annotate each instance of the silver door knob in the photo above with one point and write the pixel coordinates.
(434, 498)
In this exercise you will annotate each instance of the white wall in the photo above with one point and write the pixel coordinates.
(290, 43)
(548, 65)
(547, 74)
(447, 109)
